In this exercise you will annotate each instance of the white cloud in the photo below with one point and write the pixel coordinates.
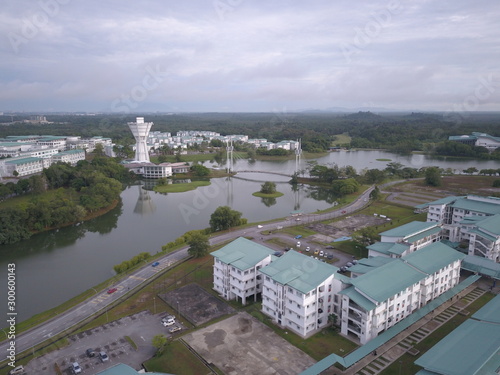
(252, 56)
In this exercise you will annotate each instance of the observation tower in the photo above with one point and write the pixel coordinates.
(140, 130)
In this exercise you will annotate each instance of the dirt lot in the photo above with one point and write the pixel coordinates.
(196, 305)
(346, 226)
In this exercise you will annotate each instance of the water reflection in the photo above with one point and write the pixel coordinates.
(144, 203)
(268, 201)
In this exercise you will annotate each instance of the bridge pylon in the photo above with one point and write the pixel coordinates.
(229, 156)
(298, 154)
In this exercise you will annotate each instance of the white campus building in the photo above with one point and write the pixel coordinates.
(301, 293)
(470, 219)
(405, 239)
(381, 296)
(236, 269)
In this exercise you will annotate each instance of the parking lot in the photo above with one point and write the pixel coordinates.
(110, 338)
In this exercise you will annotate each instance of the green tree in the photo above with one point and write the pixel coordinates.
(375, 194)
(470, 170)
(160, 342)
(99, 149)
(198, 245)
(268, 188)
(200, 170)
(366, 236)
(224, 218)
(433, 176)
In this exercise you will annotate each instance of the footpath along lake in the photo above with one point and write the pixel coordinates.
(55, 266)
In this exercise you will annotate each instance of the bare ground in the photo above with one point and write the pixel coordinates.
(347, 226)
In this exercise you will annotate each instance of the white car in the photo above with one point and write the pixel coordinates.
(321, 253)
(168, 321)
(308, 248)
(76, 368)
(260, 226)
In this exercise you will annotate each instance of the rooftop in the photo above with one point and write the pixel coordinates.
(242, 253)
(387, 280)
(122, 369)
(472, 348)
(477, 206)
(433, 257)
(409, 229)
(490, 224)
(299, 271)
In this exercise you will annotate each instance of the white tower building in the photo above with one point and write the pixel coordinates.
(140, 130)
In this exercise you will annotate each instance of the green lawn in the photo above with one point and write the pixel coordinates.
(262, 195)
(180, 188)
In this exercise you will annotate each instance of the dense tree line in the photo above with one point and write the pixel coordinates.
(74, 193)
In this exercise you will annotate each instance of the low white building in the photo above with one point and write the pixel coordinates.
(405, 239)
(236, 267)
(25, 166)
(72, 157)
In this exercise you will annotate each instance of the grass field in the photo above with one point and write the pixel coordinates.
(180, 188)
(341, 139)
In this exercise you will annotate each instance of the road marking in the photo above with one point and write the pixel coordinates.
(137, 278)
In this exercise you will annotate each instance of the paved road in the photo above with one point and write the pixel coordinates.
(102, 300)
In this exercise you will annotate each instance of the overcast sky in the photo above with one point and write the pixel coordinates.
(242, 55)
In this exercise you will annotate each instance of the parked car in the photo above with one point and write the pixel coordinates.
(75, 367)
(308, 248)
(155, 264)
(174, 329)
(90, 353)
(298, 243)
(17, 370)
(321, 253)
(330, 256)
(349, 264)
(259, 226)
(329, 247)
(316, 252)
(112, 290)
(103, 356)
(168, 321)
(298, 236)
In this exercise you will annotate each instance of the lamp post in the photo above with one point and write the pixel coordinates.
(400, 365)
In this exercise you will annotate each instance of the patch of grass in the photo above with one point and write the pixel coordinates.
(299, 229)
(131, 342)
(279, 242)
(341, 139)
(262, 195)
(180, 188)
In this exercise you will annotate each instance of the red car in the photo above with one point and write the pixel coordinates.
(344, 212)
(112, 290)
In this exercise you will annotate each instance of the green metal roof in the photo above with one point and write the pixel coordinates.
(490, 224)
(23, 160)
(472, 348)
(13, 144)
(419, 236)
(387, 280)
(369, 264)
(477, 206)
(51, 138)
(389, 247)
(299, 271)
(79, 151)
(482, 266)
(122, 369)
(357, 297)
(462, 138)
(477, 135)
(490, 311)
(242, 253)
(409, 229)
(433, 257)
